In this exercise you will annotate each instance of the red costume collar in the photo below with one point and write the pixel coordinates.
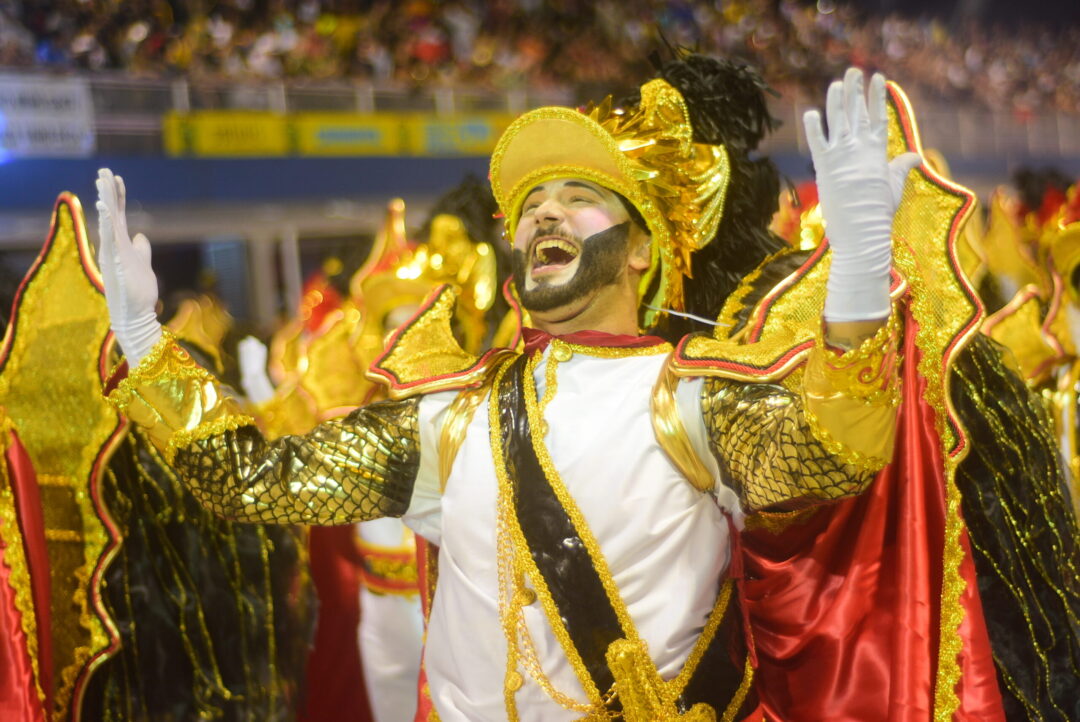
(537, 340)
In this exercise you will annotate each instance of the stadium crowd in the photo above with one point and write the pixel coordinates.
(540, 43)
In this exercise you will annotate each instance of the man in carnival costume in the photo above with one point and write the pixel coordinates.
(587, 489)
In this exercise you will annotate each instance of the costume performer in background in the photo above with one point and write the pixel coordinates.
(384, 292)
(586, 492)
(137, 603)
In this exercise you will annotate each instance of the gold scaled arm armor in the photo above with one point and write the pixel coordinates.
(355, 468)
(821, 434)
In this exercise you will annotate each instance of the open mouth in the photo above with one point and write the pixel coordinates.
(552, 254)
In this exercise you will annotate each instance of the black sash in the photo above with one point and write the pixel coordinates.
(571, 577)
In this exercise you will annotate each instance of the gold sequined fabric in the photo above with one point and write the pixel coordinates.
(351, 469)
(50, 386)
(766, 450)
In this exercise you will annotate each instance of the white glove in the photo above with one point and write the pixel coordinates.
(860, 191)
(131, 289)
(251, 354)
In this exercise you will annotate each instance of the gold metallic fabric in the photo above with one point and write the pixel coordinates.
(767, 451)
(423, 356)
(174, 399)
(351, 469)
(203, 322)
(50, 385)
(455, 426)
(851, 399)
(671, 432)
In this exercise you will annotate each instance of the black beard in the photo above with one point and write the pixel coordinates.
(603, 260)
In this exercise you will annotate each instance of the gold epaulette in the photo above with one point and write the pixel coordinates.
(424, 357)
(779, 333)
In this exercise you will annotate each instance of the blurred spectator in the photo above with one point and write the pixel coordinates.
(593, 46)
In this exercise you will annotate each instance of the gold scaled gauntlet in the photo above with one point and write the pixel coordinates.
(355, 468)
(821, 436)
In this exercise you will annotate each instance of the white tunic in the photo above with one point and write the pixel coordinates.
(665, 542)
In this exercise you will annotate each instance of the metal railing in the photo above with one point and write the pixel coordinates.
(128, 113)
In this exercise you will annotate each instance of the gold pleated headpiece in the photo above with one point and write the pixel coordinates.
(647, 154)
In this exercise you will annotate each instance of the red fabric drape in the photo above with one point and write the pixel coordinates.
(335, 680)
(845, 607)
(18, 693)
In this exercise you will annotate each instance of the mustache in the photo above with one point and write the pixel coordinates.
(551, 231)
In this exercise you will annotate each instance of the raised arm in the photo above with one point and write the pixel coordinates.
(360, 467)
(825, 432)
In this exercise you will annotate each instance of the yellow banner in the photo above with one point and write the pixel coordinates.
(456, 135)
(348, 134)
(250, 133)
(235, 133)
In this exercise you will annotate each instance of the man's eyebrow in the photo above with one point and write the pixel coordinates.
(534, 190)
(579, 184)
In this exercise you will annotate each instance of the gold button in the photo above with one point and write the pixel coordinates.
(526, 596)
(562, 353)
(514, 681)
(544, 428)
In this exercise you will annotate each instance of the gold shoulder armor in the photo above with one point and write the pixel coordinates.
(778, 334)
(424, 357)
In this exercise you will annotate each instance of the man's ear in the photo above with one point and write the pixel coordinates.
(640, 249)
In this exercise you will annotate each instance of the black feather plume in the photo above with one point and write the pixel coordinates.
(727, 104)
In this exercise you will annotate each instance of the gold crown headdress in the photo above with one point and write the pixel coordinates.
(647, 154)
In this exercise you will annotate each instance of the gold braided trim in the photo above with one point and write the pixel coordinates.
(740, 694)
(389, 570)
(168, 361)
(513, 568)
(608, 352)
(183, 438)
(166, 358)
(646, 697)
(14, 558)
(948, 314)
(776, 522)
(671, 432)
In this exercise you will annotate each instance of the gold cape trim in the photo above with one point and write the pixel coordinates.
(926, 231)
(53, 357)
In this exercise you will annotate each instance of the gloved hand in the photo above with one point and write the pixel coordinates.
(251, 354)
(860, 191)
(131, 289)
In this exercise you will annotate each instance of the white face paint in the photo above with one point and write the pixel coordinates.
(557, 218)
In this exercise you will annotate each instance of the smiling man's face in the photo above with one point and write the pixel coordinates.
(573, 239)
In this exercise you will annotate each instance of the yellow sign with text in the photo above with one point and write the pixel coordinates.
(252, 134)
(348, 134)
(456, 135)
(232, 133)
